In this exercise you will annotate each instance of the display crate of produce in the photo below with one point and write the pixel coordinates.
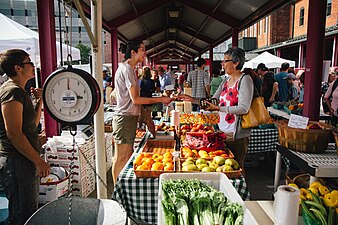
(186, 152)
(159, 146)
(152, 165)
(207, 166)
(217, 180)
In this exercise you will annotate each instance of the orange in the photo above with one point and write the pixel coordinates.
(168, 168)
(167, 160)
(167, 155)
(138, 161)
(157, 166)
(156, 155)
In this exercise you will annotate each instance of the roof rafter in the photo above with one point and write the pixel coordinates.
(192, 32)
(218, 15)
(131, 15)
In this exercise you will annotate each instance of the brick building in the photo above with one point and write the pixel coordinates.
(283, 32)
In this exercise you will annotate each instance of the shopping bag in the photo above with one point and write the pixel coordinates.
(257, 114)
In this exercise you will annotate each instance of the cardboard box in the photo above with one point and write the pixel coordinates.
(52, 191)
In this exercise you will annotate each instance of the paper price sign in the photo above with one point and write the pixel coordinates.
(296, 121)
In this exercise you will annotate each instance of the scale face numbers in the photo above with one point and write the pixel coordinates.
(71, 95)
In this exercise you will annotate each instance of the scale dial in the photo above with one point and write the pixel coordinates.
(71, 95)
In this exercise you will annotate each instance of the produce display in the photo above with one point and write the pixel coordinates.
(140, 133)
(154, 162)
(209, 118)
(218, 164)
(319, 204)
(163, 127)
(187, 152)
(196, 203)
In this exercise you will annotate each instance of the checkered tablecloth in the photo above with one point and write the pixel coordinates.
(263, 140)
(139, 196)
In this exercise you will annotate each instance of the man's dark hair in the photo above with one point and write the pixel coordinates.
(10, 58)
(131, 45)
(200, 62)
(285, 66)
(262, 67)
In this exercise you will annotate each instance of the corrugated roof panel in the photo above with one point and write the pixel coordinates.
(245, 7)
(132, 29)
(192, 18)
(214, 29)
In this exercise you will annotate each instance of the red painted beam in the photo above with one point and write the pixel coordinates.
(314, 58)
(47, 43)
(218, 14)
(130, 15)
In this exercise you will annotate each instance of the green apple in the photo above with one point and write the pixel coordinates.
(219, 160)
(201, 166)
(227, 168)
(187, 163)
(201, 161)
(208, 169)
(192, 167)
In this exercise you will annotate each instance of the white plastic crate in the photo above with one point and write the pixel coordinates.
(218, 180)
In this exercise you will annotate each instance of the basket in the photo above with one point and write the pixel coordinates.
(304, 140)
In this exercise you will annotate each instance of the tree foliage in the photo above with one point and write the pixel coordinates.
(85, 52)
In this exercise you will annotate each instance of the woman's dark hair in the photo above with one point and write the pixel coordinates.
(10, 58)
(146, 73)
(131, 45)
(237, 55)
(302, 78)
(215, 72)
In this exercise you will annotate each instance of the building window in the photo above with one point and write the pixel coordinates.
(301, 17)
(328, 7)
(255, 30)
(266, 24)
(260, 27)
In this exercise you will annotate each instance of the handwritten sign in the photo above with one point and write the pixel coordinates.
(296, 121)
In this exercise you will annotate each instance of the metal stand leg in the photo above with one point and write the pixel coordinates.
(277, 170)
(313, 179)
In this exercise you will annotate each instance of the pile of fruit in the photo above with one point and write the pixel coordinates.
(187, 152)
(319, 204)
(163, 127)
(218, 164)
(154, 162)
(210, 118)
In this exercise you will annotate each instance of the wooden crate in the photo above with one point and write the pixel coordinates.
(159, 146)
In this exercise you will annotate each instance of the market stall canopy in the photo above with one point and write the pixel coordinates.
(270, 61)
(180, 30)
(15, 35)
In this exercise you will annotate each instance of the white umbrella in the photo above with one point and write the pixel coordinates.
(270, 61)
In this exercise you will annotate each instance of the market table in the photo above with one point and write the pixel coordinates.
(285, 115)
(315, 164)
(139, 195)
(263, 140)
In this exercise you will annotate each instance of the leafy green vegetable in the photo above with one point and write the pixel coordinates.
(194, 202)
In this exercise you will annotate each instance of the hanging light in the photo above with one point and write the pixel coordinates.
(172, 30)
(174, 13)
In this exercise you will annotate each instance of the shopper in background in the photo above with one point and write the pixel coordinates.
(325, 86)
(235, 101)
(107, 83)
(269, 85)
(199, 81)
(301, 87)
(128, 107)
(282, 82)
(331, 99)
(164, 78)
(20, 161)
(215, 82)
(147, 88)
(292, 91)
